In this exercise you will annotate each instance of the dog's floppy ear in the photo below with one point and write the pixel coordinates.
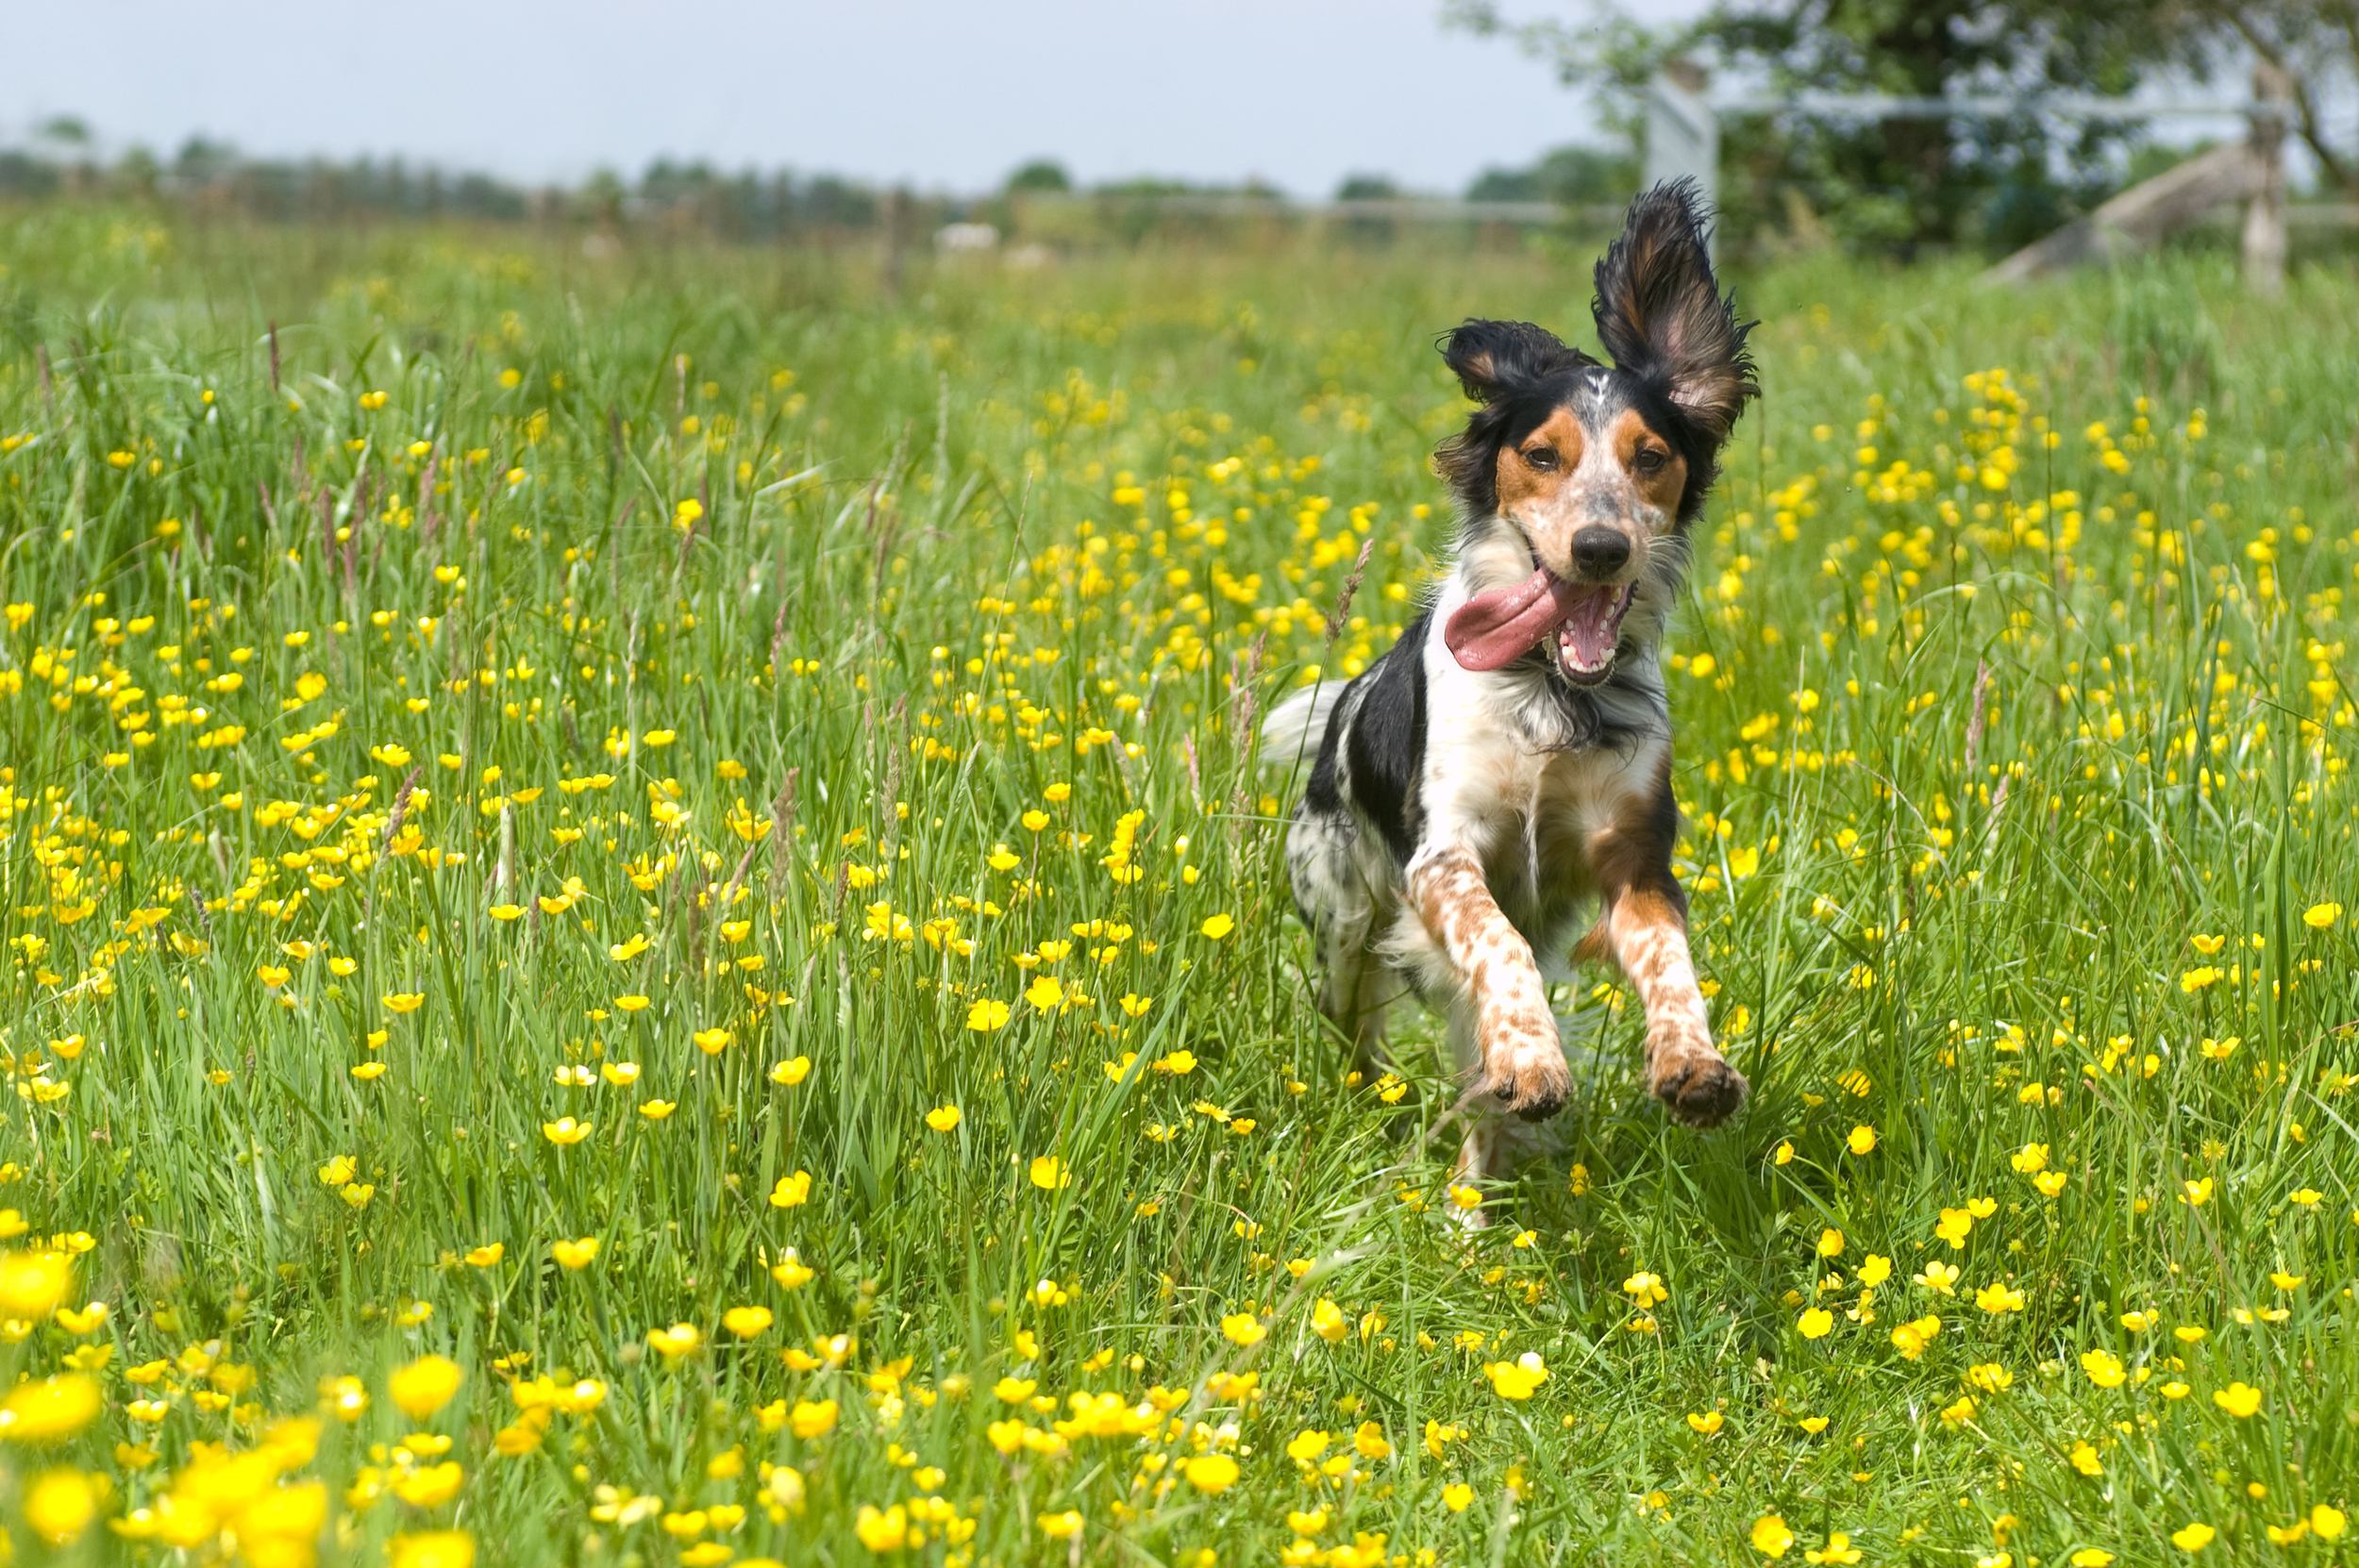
(1499, 359)
(1660, 312)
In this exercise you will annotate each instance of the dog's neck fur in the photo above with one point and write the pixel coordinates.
(1549, 712)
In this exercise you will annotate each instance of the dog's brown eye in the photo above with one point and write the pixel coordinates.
(1542, 458)
(1648, 460)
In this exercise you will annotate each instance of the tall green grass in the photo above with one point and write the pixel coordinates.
(813, 595)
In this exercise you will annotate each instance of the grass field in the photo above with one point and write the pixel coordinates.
(643, 927)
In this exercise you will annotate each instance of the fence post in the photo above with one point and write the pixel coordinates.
(898, 221)
(1683, 133)
(2264, 215)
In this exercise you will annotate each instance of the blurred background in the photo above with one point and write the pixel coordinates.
(1046, 126)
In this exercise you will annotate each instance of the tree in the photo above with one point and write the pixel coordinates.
(1570, 177)
(2312, 44)
(1042, 175)
(1907, 181)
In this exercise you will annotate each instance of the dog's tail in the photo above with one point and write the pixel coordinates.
(1292, 734)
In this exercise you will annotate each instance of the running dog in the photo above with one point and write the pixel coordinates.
(1508, 761)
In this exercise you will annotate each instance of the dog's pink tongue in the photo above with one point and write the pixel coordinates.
(1593, 629)
(1498, 627)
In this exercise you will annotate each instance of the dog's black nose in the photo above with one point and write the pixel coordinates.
(1600, 552)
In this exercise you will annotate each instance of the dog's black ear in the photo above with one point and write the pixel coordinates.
(1660, 312)
(1499, 359)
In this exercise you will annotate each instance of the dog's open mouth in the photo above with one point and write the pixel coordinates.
(1585, 623)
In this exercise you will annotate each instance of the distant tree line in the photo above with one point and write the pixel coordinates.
(211, 175)
(208, 175)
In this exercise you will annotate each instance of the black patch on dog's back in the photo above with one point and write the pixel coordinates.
(1387, 741)
(1322, 793)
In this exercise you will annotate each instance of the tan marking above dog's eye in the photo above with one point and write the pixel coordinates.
(1541, 458)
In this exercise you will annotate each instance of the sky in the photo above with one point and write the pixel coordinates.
(945, 94)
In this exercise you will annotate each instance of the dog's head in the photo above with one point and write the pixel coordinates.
(1599, 469)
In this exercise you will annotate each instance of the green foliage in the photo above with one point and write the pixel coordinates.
(1571, 175)
(1902, 184)
(1041, 175)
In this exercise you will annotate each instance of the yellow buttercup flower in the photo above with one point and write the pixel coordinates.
(574, 1255)
(347, 1398)
(1838, 1549)
(60, 1504)
(681, 1339)
(1214, 1473)
(2103, 1367)
(1328, 1322)
(431, 1549)
(430, 1486)
(943, 1118)
(1518, 1379)
(85, 1319)
(1939, 1278)
(47, 1409)
(32, 1284)
(792, 1190)
(424, 1386)
(1770, 1537)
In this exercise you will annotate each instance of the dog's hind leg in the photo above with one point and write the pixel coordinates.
(1355, 992)
(1333, 897)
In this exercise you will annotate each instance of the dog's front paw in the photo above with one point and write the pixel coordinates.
(1523, 1067)
(1696, 1082)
